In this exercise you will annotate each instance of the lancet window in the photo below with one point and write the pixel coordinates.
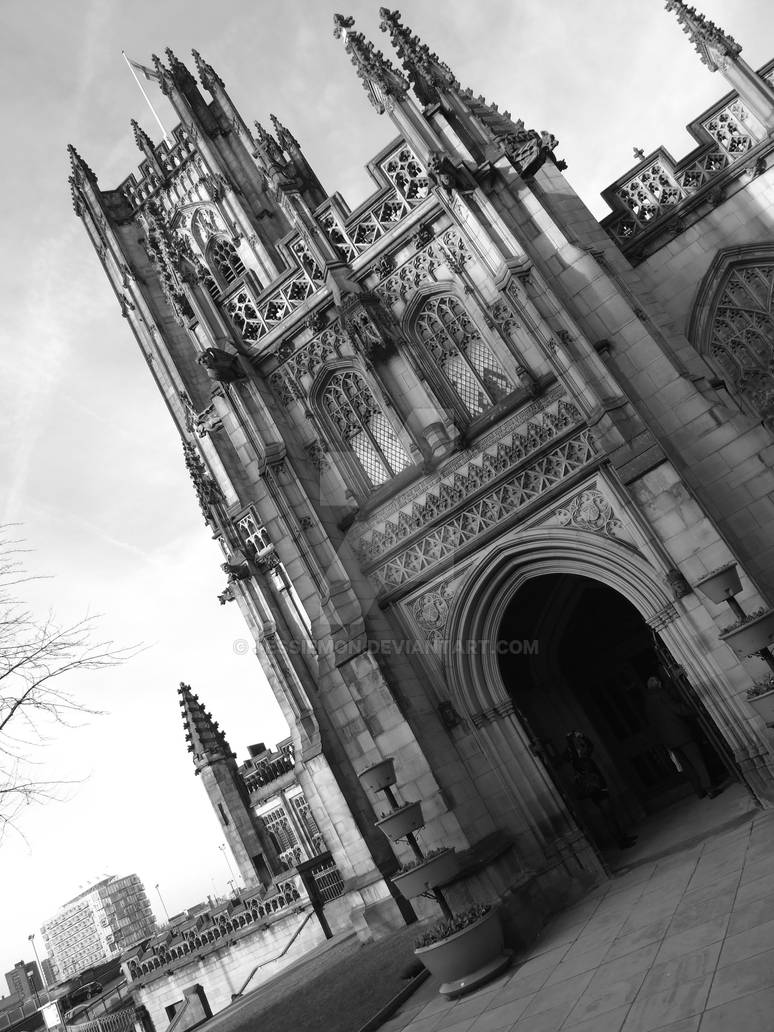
(742, 335)
(224, 261)
(363, 428)
(457, 349)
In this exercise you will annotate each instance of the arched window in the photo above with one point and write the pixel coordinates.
(363, 428)
(741, 337)
(462, 355)
(224, 261)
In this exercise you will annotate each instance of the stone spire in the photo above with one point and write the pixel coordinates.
(180, 73)
(79, 166)
(205, 739)
(145, 144)
(383, 83)
(425, 69)
(712, 44)
(80, 173)
(434, 82)
(285, 138)
(164, 78)
(208, 77)
(141, 138)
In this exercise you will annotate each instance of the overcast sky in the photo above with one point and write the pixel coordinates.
(91, 463)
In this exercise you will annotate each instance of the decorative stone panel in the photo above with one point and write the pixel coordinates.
(511, 444)
(488, 512)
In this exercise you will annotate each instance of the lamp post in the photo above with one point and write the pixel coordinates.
(222, 848)
(166, 912)
(31, 938)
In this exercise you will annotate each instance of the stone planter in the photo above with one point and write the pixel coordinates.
(435, 871)
(721, 585)
(380, 775)
(468, 958)
(752, 636)
(398, 824)
(764, 706)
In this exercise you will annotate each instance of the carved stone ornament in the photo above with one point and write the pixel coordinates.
(423, 235)
(316, 451)
(227, 595)
(589, 511)
(677, 583)
(221, 365)
(315, 322)
(236, 571)
(443, 173)
(431, 612)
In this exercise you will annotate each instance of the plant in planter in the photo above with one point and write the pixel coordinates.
(761, 698)
(750, 633)
(422, 875)
(401, 821)
(379, 775)
(720, 584)
(465, 949)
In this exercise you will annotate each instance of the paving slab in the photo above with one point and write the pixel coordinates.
(679, 940)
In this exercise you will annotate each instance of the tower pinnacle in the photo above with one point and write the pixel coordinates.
(205, 739)
(207, 74)
(141, 138)
(712, 44)
(424, 68)
(380, 79)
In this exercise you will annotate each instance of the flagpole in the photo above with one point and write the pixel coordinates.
(147, 98)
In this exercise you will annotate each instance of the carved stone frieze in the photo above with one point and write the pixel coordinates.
(460, 533)
(549, 400)
(510, 446)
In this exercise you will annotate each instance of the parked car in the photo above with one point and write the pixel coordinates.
(85, 992)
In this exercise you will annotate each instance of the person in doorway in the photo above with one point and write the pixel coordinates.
(672, 725)
(590, 784)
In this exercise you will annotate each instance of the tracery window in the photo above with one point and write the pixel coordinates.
(223, 259)
(308, 823)
(363, 428)
(742, 335)
(283, 837)
(463, 356)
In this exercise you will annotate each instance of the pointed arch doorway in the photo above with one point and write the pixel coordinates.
(574, 655)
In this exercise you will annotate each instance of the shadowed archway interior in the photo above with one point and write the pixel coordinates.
(574, 654)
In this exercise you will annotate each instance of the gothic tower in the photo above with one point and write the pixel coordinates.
(468, 462)
(216, 764)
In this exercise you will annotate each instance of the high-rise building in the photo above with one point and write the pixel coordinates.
(97, 924)
(478, 463)
(24, 979)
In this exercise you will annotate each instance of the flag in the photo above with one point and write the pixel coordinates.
(150, 73)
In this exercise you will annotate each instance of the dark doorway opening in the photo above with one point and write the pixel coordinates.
(575, 655)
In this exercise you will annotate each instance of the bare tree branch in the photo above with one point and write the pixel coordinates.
(38, 661)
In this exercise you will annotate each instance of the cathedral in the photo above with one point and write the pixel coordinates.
(480, 465)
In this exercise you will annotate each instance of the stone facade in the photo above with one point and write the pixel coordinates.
(398, 418)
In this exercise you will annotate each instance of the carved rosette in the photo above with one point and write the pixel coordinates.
(589, 510)
(431, 612)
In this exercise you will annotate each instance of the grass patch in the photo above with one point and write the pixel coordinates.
(339, 991)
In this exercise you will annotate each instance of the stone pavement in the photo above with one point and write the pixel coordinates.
(684, 943)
